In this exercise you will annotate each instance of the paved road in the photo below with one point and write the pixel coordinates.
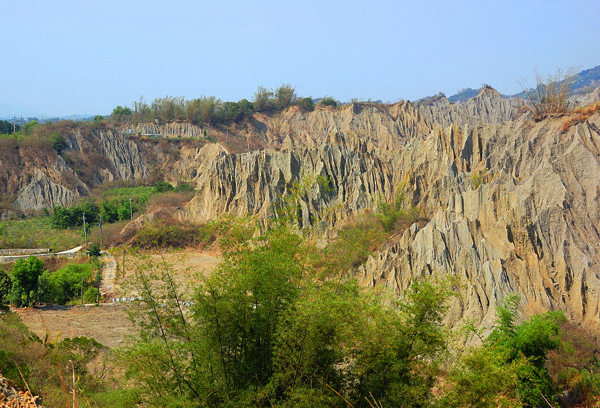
(70, 251)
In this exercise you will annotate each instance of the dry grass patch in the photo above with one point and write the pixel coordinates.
(580, 115)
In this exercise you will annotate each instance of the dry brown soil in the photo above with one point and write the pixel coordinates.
(108, 323)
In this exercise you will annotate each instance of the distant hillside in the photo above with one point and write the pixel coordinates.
(586, 81)
(583, 82)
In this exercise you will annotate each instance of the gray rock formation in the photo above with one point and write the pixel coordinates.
(43, 192)
(169, 130)
(489, 106)
(531, 230)
(253, 183)
(124, 156)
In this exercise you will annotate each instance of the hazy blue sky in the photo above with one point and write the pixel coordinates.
(63, 57)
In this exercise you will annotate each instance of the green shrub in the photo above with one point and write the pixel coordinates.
(90, 295)
(64, 285)
(308, 104)
(5, 285)
(478, 178)
(25, 276)
(94, 249)
(328, 101)
(58, 141)
(184, 187)
(162, 187)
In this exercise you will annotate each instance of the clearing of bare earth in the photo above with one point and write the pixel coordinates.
(108, 322)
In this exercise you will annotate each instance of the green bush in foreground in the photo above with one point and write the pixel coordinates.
(65, 284)
(25, 275)
(264, 331)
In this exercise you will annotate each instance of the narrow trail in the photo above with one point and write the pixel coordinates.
(109, 273)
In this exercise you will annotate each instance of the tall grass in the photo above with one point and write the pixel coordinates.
(37, 232)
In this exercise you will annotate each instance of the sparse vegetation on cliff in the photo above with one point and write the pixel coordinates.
(549, 96)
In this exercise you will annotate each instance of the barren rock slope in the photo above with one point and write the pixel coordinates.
(531, 227)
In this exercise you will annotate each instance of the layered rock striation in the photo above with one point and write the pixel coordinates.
(342, 176)
(533, 229)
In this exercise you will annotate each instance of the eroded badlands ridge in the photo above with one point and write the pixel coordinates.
(514, 203)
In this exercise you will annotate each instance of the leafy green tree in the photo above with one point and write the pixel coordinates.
(399, 354)
(483, 379)
(61, 217)
(79, 350)
(25, 276)
(63, 285)
(125, 210)
(5, 285)
(208, 109)
(6, 127)
(64, 217)
(58, 141)
(531, 340)
(263, 99)
(94, 249)
(29, 126)
(121, 111)
(109, 211)
(245, 106)
(308, 104)
(328, 101)
(284, 97)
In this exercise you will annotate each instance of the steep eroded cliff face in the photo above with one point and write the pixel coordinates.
(253, 183)
(532, 229)
(515, 208)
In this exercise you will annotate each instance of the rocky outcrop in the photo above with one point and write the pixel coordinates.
(532, 230)
(43, 192)
(175, 129)
(12, 397)
(124, 155)
(489, 106)
(515, 207)
(341, 175)
(586, 99)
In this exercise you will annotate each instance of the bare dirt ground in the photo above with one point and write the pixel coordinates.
(108, 323)
(187, 267)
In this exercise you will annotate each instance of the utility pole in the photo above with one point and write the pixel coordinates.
(130, 210)
(42, 118)
(100, 225)
(84, 230)
(227, 137)
(73, 117)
